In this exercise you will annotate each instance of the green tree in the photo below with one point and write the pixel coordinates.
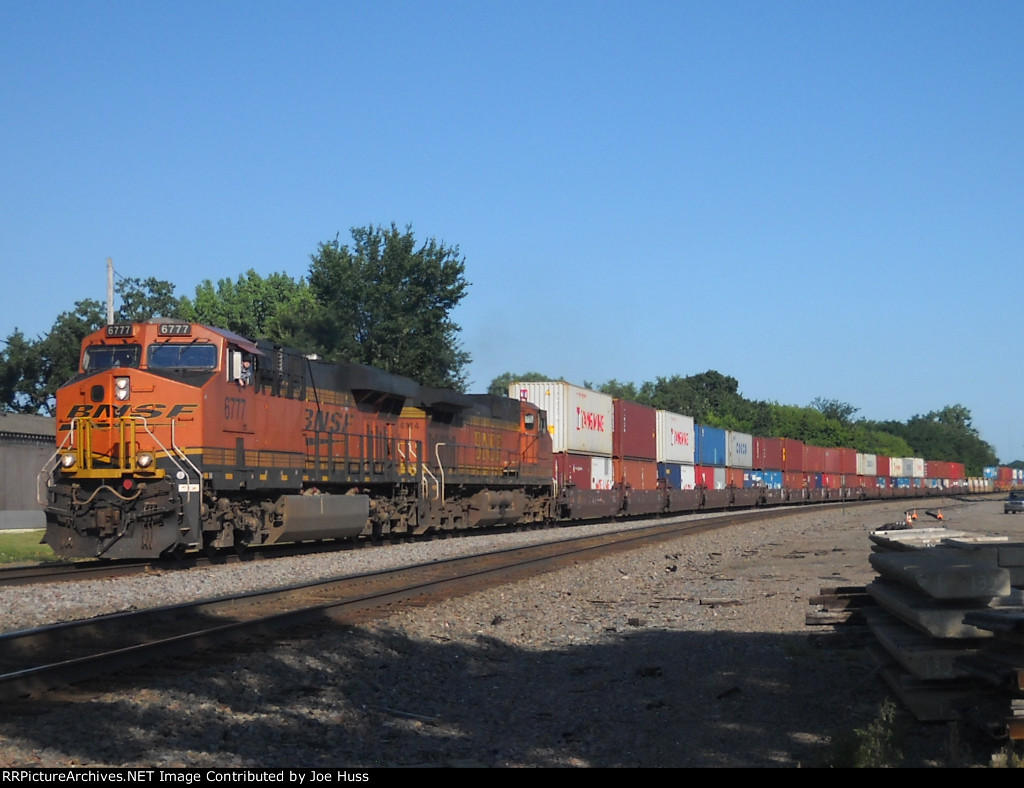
(499, 386)
(142, 299)
(620, 390)
(31, 371)
(386, 303)
(834, 409)
(710, 397)
(253, 306)
(946, 434)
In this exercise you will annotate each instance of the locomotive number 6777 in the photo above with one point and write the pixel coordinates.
(176, 437)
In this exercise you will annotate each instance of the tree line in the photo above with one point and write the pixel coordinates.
(386, 301)
(713, 399)
(381, 300)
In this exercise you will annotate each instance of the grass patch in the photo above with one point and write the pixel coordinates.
(876, 746)
(24, 547)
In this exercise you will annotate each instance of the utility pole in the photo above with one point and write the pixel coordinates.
(110, 290)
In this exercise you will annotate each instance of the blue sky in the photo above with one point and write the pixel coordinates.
(816, 198)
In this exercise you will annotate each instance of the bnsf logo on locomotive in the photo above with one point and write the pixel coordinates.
(488, 446)
(152, 411)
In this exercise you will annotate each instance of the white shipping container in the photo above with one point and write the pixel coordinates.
(917, 467)
(579, 420)
(687, 477)
(739, 450)
(676, 438)
(867, 465)
(602, 473)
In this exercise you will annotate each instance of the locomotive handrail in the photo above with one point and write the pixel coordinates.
(426, 487)
(47, 472)
(440, 467)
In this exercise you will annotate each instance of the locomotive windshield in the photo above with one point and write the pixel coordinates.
(109, 356)
(177, 356)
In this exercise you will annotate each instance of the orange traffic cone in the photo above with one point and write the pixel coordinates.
(939, 515)
(914, 515)
(907, 520)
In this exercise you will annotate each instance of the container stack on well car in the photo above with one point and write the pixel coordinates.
(699, 466)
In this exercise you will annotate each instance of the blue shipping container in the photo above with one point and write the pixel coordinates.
(710, 445)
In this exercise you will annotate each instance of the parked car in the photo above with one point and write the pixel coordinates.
(1014, 504)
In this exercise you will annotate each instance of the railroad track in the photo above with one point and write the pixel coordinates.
(101, 569)
(40, 659)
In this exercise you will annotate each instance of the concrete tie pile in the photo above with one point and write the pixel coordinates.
(950, 625)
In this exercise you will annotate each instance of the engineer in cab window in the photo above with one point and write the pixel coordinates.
(245, 379)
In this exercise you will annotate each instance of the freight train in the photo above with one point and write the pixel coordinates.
(176, 437)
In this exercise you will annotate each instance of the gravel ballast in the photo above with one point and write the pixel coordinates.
(691, 653)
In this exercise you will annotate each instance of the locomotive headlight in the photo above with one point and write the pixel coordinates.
(144, 459)
(67, 460)
(121, 389)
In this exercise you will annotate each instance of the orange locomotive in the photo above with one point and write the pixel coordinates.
(176, 437)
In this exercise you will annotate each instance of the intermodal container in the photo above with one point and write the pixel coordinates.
(814, 459)
(793, 452)
(635, 435)
(739, 450)
(867, 465)
(710, 445)
(768, 453)
(584, 472)
(882, 465)
(676, 439)
(636, 474)
(709, 476)
(580, 420)
(773, 480)
(676, 475)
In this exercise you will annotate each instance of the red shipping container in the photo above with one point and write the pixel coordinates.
(848, 461)
(583, 471)
(768, 454)
(814, 459)
(635, 434)
(636, 474)
(833, 461)
(882, 465)
(792, 455)
(794, 480)
(734, 477)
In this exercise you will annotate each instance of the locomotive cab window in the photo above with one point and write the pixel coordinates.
(528, 421)
(173, 355)
(110, 356)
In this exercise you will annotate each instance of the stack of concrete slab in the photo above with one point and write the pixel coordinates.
(950, 624)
